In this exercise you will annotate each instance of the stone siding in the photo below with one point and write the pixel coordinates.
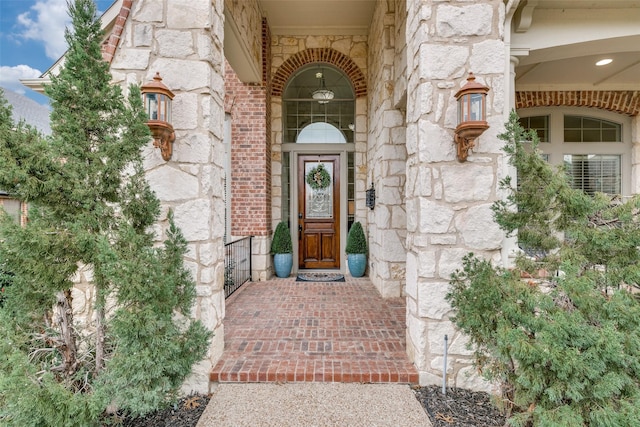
(386, 152)
(182, 39)
(247, 16)
(448, 203)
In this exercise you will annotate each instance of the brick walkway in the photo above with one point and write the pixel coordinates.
(287, 331)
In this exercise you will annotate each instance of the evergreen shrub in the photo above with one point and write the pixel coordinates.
(565, 348)
(356, 240)
(281, 243)
(90, 208)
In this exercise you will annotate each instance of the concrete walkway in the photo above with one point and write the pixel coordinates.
(313, 405)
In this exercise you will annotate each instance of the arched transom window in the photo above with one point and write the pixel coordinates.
(319, 106)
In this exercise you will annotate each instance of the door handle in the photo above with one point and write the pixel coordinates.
(299, 232)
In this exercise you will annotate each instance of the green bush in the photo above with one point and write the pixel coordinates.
(566, 348)
(356, 240)
(281, 243)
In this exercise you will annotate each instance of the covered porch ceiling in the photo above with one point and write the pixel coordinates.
(557, 42)
(312, 17)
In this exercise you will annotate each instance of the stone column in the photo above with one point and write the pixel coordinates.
(448, 203)
(387, 156)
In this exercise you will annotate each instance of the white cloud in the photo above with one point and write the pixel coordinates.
(45, 22)
(10, 77)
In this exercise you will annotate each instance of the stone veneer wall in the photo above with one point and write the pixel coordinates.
(284, 48)
(247, 16)
(449, 203)
(182, 39)
(387, 155)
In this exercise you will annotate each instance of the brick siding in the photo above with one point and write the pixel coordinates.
(250, 150)
(110, 45)
(624, 102)
(327, 55)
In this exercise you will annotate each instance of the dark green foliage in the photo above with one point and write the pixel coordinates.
(356, 240)
(281, 243)
(91, 206)
(566, 349)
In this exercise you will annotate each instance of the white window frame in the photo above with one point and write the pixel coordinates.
(556, 148)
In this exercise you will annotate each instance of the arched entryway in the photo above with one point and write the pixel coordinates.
(319, 157)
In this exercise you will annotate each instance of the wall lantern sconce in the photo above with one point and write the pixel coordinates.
(371, 197)
(157, 103)
(472, 115)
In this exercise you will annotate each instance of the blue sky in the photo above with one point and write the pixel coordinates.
(32, 39)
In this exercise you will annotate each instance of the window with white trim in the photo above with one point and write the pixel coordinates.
(13, 207)
(593, 145)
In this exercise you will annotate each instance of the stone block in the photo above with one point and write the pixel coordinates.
(468, 20)
(142, 35)
(469, 378)
(416, 334)
(189, 14)
(188, 216)
(431, 300)
(192, 148)
(131, 59)
(442, 62)
(174, 43)
(427, 264)
(434, 217)
(148, 11)
(181, 74)
(435, 144)
(467, 183)
(478, 229)
(171, 184)
(487, 57)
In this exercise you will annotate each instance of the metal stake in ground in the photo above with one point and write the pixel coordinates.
(444, 369)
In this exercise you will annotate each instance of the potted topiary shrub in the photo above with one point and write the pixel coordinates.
(356, 250)
(282, 250)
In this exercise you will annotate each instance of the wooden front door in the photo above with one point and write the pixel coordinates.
(318, 211)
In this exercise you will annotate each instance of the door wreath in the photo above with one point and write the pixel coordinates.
(318, 178)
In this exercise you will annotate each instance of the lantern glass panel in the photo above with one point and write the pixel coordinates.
(164, 108)
(477, 113)
(463, 109)
(151, 105)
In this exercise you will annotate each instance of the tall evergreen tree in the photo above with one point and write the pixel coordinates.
(90, 207)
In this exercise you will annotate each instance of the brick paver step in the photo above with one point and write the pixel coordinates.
(287, 331)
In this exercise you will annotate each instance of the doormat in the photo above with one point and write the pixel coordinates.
(320, 277)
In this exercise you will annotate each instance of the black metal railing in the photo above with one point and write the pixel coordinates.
(237, 264)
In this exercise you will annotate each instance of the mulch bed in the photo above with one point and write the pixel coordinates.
(185, 413)
(459, 407)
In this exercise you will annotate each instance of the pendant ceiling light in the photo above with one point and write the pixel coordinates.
(322, 94)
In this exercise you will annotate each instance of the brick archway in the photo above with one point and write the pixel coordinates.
(327, 55)
(623, 102)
